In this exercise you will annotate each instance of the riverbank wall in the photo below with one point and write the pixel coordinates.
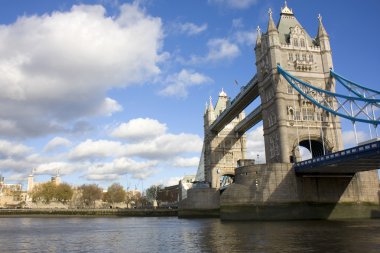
(89, 212)
(275, 192)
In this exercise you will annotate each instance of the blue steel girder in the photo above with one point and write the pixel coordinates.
(352, 108)
(355, 88)
(247, 94)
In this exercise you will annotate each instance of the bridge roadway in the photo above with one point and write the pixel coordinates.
(247, 94)
(346, 162)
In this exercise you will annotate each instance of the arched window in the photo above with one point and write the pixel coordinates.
(295, 42)
(290, 56)
(302, 42)
(310, 58)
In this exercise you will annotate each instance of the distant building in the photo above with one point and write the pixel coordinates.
(169, 196)
(10, 194)
(32, 184)
(185, 184)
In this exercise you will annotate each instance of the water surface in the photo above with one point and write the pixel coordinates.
(169, 234)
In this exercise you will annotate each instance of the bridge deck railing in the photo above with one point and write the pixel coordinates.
(333, 157)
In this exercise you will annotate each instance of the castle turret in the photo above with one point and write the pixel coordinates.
(30, 182)
(222, 149)
(290, 45)
(324, 43)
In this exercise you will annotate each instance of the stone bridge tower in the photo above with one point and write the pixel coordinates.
(289, 120)
(221, 150)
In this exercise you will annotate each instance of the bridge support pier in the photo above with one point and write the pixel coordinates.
(200, 202)
(274, 192)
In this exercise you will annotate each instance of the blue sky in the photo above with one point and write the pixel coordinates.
(83, 82)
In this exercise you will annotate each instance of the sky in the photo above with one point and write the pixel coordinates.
(114, 91)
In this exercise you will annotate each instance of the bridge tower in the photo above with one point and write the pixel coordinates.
(289, 120)
(222, 150)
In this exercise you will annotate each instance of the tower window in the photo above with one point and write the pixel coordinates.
(297, 57)
(308, 114)
(295, 42)
(302, 42)
(290, 56)
(290, 89)
(297, 116)
(304, 57)
(310, 58)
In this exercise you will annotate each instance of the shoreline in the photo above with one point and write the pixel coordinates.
(6, 213)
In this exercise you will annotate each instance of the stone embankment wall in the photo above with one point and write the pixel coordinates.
(273, 191)
(200, 202)
(89, 212)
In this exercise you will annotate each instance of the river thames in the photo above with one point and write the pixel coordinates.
(171, 234)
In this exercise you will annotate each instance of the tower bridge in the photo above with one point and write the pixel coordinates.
(299, 108)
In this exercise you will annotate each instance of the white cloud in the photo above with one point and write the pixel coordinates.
(12, 149)
(97, 149)
(235, 4)
(220, 49)
(190, 28)
(139, 129)
(245, 37)
(56, 68)
(179, 83)
(256, 145)
(119, 167)
(150, 140)
(57, 142)
(23, 162)
(109, 106)
(166, 146)
(186, 162)
(102, 159)
(53, 168)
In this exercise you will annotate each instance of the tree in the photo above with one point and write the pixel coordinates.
(132, 198)
(63, 193)
(44, 192)
(152, 191)
(90, 193)
(50, 191)
(115, 194)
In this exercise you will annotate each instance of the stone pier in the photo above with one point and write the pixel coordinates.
(274, 192)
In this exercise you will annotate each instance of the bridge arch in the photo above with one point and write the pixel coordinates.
(314, 144)
(225, 176)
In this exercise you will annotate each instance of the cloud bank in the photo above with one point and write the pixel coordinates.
(56, 68)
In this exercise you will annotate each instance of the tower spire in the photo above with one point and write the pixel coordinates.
(210, 106)
(321, 29)
(258, 37)
(271, 25)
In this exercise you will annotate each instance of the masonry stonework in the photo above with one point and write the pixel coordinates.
(273, 191)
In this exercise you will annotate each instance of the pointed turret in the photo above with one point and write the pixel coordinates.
(209, 116)
(210, 106)
(324, 42)
(222, 102)
(271, 25)
(258, 37)
(321, 29)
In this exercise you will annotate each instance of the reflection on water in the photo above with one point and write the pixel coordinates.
(185, 235)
